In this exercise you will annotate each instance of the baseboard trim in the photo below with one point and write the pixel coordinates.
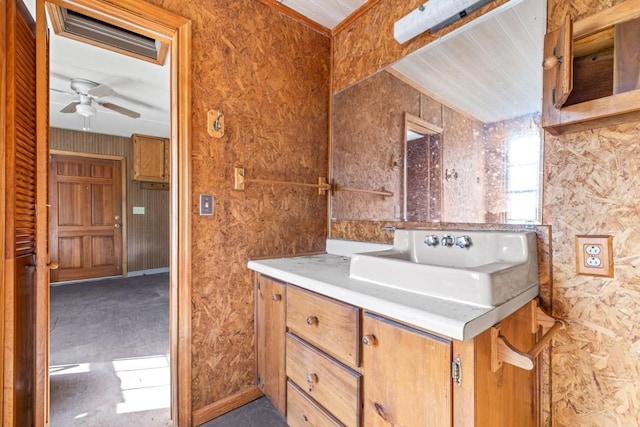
(148, 272)
(222, 406)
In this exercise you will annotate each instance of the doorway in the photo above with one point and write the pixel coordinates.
(138, 16)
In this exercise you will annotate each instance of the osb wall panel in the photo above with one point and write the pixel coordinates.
(462, 168)
(270, 77)
(591, 186)
(368, 152)
(367, 45)
(368, 146)
(148, 234)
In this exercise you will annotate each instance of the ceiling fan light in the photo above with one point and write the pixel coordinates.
(86, 110)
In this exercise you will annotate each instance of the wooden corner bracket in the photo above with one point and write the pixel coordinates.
(502, 351)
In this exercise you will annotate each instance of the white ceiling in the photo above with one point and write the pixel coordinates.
(328, 13)
(140, 86)
(489, 68)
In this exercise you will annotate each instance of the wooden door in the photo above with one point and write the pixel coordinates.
(270, 330)
(86, 217)
(401, 387)
(18, 218)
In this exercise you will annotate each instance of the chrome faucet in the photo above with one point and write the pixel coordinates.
(431, 240)
(447, 240)
(463, 241)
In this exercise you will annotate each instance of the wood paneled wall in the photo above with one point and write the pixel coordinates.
(591, 186)
(148, 234)
(270, 76)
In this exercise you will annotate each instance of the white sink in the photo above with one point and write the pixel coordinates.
(497, 266)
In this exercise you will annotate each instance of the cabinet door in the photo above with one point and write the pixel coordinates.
(270, 330)
(150, 158)
(407, 375)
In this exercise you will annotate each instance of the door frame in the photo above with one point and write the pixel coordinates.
(151, 20)
(123, 191)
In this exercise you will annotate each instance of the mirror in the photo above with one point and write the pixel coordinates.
(451, 132)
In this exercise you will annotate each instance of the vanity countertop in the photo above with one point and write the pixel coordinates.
(328, 274)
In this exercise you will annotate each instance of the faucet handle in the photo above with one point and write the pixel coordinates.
(431, 240)
(463, 241)
(447, 240)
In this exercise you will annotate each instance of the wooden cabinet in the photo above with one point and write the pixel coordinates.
(150, 158)
(270, 330)
(348, 368)
(401, 387)
(322, 355)
(592, 71)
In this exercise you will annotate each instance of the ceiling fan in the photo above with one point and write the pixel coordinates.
(89, 94)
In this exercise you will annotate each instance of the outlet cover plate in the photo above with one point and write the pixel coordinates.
(589, 248)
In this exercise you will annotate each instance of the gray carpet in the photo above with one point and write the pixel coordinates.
(109, 355)
(259, 413)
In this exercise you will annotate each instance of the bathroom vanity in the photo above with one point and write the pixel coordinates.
(336, 350)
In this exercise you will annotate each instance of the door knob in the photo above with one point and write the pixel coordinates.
(53, 265)
(117, 218)
(117, 225)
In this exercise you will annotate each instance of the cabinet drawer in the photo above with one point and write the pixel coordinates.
(331, 384)
(330, 325)
(304, 412)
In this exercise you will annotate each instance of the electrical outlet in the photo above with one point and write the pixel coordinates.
(594, 255)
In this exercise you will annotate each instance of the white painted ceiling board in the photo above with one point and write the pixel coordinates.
(328, 13)
(490, 68)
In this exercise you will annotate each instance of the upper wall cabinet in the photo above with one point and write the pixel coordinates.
(592, 71)
(150, 158)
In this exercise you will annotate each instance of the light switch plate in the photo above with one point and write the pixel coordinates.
(594, 255)
(138, 210)
(206, 205)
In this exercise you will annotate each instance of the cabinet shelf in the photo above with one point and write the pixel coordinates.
(592, 78)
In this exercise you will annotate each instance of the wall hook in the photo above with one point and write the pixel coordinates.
(215, 123)
(450, 174)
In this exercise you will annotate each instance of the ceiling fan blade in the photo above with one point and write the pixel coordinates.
(62, 91)
(71, 108)
(120, 109)
(101, 90)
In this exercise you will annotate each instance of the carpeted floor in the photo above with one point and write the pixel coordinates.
(109, 355)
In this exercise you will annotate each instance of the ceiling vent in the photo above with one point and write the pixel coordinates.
(83, 28)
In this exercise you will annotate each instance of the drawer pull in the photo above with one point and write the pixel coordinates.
(312, 378)
(276, 297)
(312, 320)
(369, 340)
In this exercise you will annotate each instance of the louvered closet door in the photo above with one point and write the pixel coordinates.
(20, 225)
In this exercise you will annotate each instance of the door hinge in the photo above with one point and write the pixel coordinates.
(258, 284)
(258, 379)
(456, 370)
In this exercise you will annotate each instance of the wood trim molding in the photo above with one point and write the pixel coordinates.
(209, 412)
(156, 22)
(274, 4)
(3, 127)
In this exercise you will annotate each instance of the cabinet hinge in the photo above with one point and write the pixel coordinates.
(258, 379)
(456, 371)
